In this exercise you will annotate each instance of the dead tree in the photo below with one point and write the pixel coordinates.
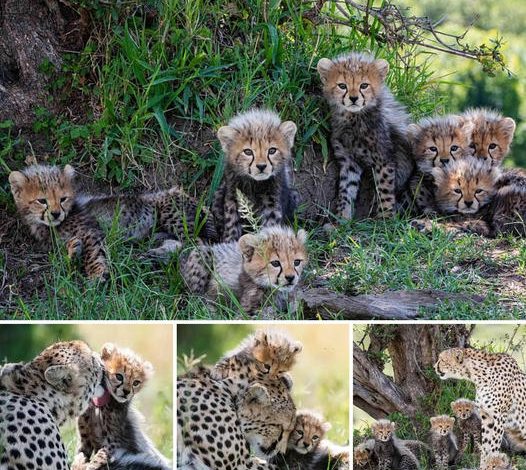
(413, 350)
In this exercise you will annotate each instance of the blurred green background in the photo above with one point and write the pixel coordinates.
(463, 80)
(153, 342)
(321, 374)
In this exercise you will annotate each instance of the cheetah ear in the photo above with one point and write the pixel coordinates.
(433, 420)
(257, 395)
(508, 127)
(326, 426)
(17, 179)
(288, 128)
(148, 369)
(459, 356)
(383, 68)
(107, 351)
(260, 336)
(69, 172)
(287, 380)
(413, 130)
(248, 244)
(227, 135)
(297, 348)
(302, 236)
(324, 66)
(60, 377)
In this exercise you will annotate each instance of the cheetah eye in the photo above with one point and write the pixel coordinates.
(458, 191)
(248, 152)
(315, 438)
(275, 263)
(473, 146)
(297, 262)
(267, 368)
(42, 201)
(63, 199)
(454, 148)
(492, 146)
(364, 86)
(433, 149)
(478, 191)
(300, 433)
(272, 150)
(119, 377)
(342, 86)
(136, 383)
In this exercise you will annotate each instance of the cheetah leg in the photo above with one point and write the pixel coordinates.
(272, 213)
(492, 433)
(348, 185)
(74, 247)
(95, 261)
(385, 464)
(196, 270)
(232, 226)
(385, 184)
(407, 463)
(99, 461)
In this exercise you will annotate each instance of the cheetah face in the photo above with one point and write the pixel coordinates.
(440, 141)
(308, 431)
(383, 430)
(442, 425)
(353, 83)
(267, 414)
(43, 195)
(361, 456)
(451, 365)
(257, 144)
(498, 461)
(275, 257)
(462, 409)
(275, 353)
(126, 373)
(465, 186)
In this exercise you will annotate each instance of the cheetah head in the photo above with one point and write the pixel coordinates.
(257, 144)
(463, 408)
(383, 430)
(44, 195)
(452, 364)
(442, 425)
(353, 82)
(308, 431)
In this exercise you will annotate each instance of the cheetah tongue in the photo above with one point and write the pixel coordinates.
(102, 396)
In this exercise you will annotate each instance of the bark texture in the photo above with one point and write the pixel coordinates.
(413, 350)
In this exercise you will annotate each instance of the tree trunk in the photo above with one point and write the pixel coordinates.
(413, 350)
(33, 33)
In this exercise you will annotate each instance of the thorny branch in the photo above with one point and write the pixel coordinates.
(394, 27)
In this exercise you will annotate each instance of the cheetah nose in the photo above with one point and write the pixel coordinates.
(290, 278)
(125, 392)
(261, 166)
(305, 445)
(353, 99)
(468, 203)
(444, 161)
(55, 215)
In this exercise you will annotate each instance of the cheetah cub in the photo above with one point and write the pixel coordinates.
(45, 199)
(259, 269)
(257, 147)
(443, 441)
(368, 129)
(492, 134)
(109, 431)
(265, 353)
(364, 456)
(499, 461)
(391, 452)
(469, 424)
(436, 142)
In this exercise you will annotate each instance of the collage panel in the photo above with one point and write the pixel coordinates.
(266, 396)
(86, 396)
(439, 396)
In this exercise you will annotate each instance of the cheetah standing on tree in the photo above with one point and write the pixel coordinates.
(368, 129)
(257, 148)
(500, 393)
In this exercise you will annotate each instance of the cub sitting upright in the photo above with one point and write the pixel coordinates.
(469, 423)
(368, 129)
(109, 431)
(391, 452)
(261, 269)
(443, 441)
(257, 147)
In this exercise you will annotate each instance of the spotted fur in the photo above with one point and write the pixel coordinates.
(240, 422)
(364, 456)
(443, 441)
(492, 134)
(469, 424)
(261, 269)
(390, 451)
(368, 129)
(500, 392)
(258, 163)
(436, 142)
(39, 396)
(110, 435)
(268, 352)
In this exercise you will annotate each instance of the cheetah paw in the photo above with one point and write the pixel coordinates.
(422, 225)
